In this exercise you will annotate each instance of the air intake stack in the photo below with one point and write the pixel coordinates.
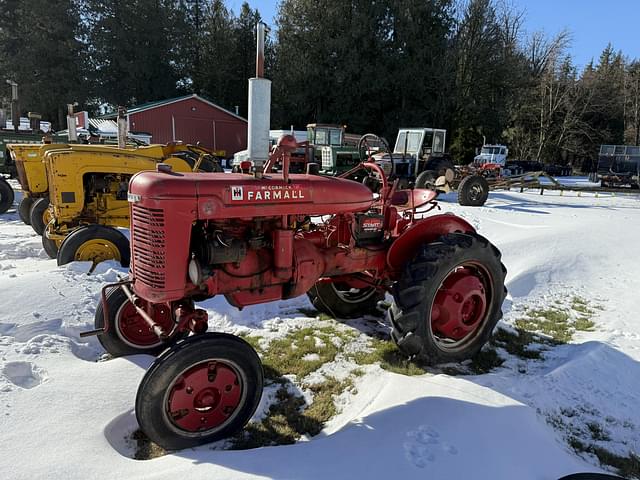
(259, 108)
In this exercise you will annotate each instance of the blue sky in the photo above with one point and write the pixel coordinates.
(593, 23)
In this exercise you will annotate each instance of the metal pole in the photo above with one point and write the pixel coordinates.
(260, 50)
(71, 124)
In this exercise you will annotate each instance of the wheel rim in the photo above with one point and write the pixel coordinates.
(97, 250)
(460, 307)
(134, 330)
(46, 216)
(205, 397)
(475, 192)
(352, 295)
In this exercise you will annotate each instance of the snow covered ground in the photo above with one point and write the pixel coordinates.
(66, 413)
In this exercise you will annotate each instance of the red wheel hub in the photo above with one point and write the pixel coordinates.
(460, 305)
(133, 328)
(204, 396)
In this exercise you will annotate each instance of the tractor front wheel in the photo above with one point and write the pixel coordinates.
(448, 299)
(6, 195)
(24, 208)
(202, 389)
(51, 247)
(39, 215)
(473, 191)
(128, 332)
(427, 179)
(94, 243)
(338, 299)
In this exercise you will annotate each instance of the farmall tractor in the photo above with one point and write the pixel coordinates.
(261, 237)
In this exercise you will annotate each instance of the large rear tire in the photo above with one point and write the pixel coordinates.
(339, 300)
(24, 209)
(39, 215)
(6, 195)
(473, 191)
(94, 243)
(202, 389)
(448, 299)
(128, 333)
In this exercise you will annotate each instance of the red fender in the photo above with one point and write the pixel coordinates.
(426, 230)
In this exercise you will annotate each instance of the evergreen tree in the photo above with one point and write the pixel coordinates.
(41, 50)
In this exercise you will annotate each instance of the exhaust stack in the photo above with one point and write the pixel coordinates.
(123, 127)
(259, 108)
(71, 124)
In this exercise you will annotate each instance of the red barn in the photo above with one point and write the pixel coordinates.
(190, 119)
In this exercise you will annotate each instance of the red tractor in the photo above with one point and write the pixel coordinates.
(261, 237)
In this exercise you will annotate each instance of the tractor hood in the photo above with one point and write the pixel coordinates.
(237, 195)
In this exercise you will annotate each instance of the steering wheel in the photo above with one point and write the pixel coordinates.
(364, 148)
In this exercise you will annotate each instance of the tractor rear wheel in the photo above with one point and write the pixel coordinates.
(94, 243)
(6, 195)
(448, 299)
(338, 299)
(473, 191)
(128, 333)
(24, 209)
(427, 179)
(202, 389)
(39, 215)
(51, 247)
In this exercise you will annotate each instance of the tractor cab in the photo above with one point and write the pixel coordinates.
(416, 150)
(420, 143)
(320, 134)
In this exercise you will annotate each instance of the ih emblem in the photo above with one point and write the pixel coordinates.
(237, 193)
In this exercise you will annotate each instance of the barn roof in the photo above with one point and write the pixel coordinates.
(161, 103)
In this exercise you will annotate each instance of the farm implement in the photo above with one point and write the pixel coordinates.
(87, 196)
(260, 237)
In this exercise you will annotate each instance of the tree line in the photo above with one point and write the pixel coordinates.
(464, 65)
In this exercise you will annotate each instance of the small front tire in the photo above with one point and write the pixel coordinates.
(128, 333)
(38, 215)
(94, 243)
(24, 208)
(202, 389)
(51, 247)
(6, 195)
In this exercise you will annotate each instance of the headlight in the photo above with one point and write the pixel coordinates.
(195, 272)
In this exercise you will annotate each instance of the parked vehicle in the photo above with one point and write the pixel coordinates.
(618, 166)
(258, 238)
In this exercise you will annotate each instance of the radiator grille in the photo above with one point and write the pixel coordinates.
(148, 237)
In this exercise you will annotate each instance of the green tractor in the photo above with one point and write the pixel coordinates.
(333, 149)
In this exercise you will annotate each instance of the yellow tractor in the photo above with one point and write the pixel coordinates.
(28, 159)
(87, 187)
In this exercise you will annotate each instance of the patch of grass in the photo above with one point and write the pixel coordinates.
(627, 467)
(485, 360)
(583, 324)
(288, 419)
(300, 352)
(597, 432)
(517, 343)
(551, 321)
(386, 353)
(145, 448)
